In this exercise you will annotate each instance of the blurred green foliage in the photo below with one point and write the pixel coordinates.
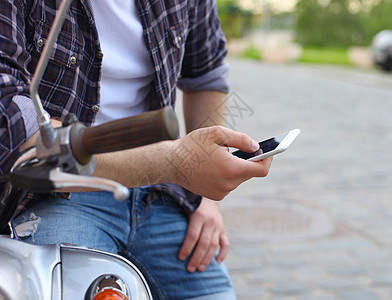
(341, 23)
(252, 52)
(236, 22)
(325, 55)
(379, 18)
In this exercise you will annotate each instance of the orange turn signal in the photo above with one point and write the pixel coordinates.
(110, 294)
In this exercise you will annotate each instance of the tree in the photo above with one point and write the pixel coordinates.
(377, 19)
(327, 23)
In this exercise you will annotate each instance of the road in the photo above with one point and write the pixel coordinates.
(319, 226)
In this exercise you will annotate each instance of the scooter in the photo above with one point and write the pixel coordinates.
(63, 158)
(69, 271)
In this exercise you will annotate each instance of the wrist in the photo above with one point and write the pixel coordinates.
(211, 202)
(176, 159)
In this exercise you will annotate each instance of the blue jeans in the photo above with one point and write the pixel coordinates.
(148, 235)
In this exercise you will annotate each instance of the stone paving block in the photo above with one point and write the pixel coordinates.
(256, 297)
(250, 292)
(338, 284)
(322, 297)
(249, 250)
(329, 258)
(348, 270)
(388, 293)
(372, 254)
(287, 262)
(310, 273)
(243, 264)
(381, 267)
(288, 288)
(359, 295)
(344, 244)
(307, 296)
(294, 248)
(269, 275)
(382, 280)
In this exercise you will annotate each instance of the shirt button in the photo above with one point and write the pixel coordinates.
(99, 55)
(40, 43)
(72, 60)
(179, 40)
(95, 108)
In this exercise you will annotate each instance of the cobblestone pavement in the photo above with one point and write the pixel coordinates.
(319, 226)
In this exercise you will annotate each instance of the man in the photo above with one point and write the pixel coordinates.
(139, 51)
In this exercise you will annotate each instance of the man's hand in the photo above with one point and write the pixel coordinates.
(201, 162)
(206, 233)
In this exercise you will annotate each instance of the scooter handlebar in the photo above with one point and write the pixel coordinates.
(139, 130)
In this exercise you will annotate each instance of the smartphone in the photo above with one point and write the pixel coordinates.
(271, 146)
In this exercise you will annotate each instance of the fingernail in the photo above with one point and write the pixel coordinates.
(255, 145)
(202, 268)
(191, 269)
(182, 257)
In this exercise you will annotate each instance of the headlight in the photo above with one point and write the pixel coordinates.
(108, 287)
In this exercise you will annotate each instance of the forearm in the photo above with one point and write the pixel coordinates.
(203, 109)
(139, 166)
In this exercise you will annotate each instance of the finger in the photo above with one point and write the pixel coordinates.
(224, 248)
(249, 169)
(237, 140)
(261, 168)
(191, 238)
(209, 255)
(201, 249)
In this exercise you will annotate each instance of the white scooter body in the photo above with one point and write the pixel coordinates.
(67, 272)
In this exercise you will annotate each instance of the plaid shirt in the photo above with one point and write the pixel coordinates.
(183, 39)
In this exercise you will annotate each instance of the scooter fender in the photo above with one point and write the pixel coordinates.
(28, 271)
(82, 266)
(66, 272)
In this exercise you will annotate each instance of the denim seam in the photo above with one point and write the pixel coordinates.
(137, 205)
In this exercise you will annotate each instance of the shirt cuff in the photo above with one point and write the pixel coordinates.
(29, 114)
(215, 80)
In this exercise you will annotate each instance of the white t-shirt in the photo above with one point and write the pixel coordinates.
(127, 70)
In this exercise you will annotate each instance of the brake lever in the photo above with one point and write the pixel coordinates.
(62, 180)
(49, 169)
(50, 175)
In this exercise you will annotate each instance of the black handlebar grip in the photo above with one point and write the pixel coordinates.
(146, 128)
